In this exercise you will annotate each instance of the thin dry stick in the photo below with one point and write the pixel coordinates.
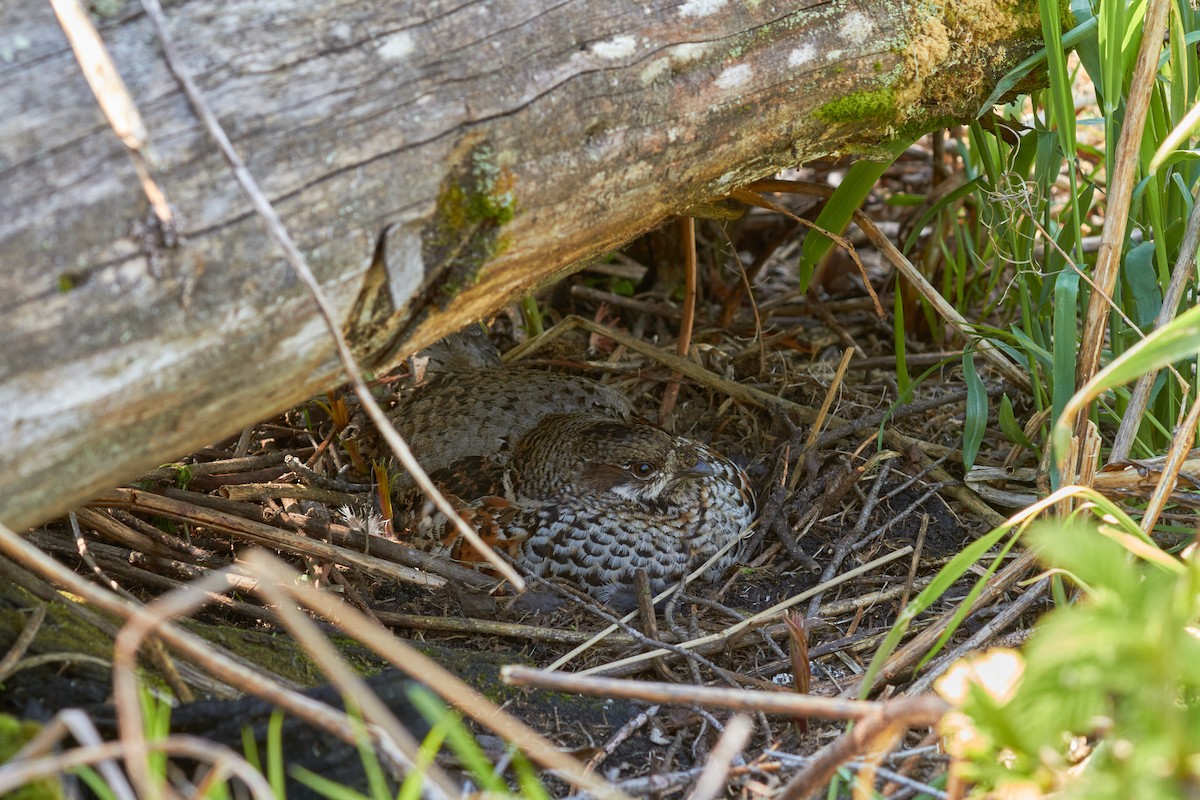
(912, 275)
(245, 676)
(744, 394)
(15, 774)
(877, 732)
(1181, 445)
(908, 655)
(1120, 189)
(787, 704)
(1010, 614)
(298, 263)
(420, 667)
(79, 725)
(170, 473)
(758, 618)
(711, 782)
(110, 92)
(687, 235)
(1185, 267)
(857, 642)
(349, 684)
(26, 637)
(183, 601)
(266, 535)
(622, 734)
(115, 531)
(750, 197)
(726, 318)
(488, 627)
(148, 618)
(253, 492)
(834, 385)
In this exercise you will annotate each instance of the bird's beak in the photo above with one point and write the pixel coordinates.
(701, 469)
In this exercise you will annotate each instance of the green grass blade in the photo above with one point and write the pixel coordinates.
(415, 780)
(89, 776)
(941, 583)
(1175, 341)
(1141, 280)
(1062, 99)
(275, 771)
(1014, 76)
(943, 202)
(1009, 425)
(834, 217)
(975, 424)
(324, 786)
(1066, 325)
(459, 738)
(903, 379)
(1112, 69)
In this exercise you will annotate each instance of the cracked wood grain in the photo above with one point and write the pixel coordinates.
(433, 161)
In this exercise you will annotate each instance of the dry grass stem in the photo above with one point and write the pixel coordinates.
(1120, 189)
(926, 712)
(1139, 398)
(221, 759)
(835, 385)
(909, 654)
(758, 618)
(18, 649)
(265, 535)
(1177, 453)
(418, 666)
(712, 781)
(1009, 614)
(687, 237)
(115, 101)
(750, 196)
(487, 627)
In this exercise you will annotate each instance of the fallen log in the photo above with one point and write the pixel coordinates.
(419, 154)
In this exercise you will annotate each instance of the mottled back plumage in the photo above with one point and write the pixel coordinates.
(600, 498)
(553, 470)
(484, 412)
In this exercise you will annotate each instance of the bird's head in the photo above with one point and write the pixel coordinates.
(594, 456)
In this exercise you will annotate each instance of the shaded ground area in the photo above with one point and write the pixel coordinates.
(861, 494)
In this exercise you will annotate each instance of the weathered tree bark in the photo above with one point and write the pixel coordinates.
(480, 149)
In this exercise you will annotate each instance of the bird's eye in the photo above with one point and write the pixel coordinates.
(643, 469)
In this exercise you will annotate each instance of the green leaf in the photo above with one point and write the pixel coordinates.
(1062, 98)
(275, 771)
(1009, 425)
(846, 199)
(1066, 325)
(1142, 279)
(1014, 76)
(459, 738)
(941, 583)
(975, 424)
(324, 786)
(903, 379)
(939, 207)
(414, 781)
(1177, 340)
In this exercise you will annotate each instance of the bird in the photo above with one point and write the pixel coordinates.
(557, 472)
(591, 498)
